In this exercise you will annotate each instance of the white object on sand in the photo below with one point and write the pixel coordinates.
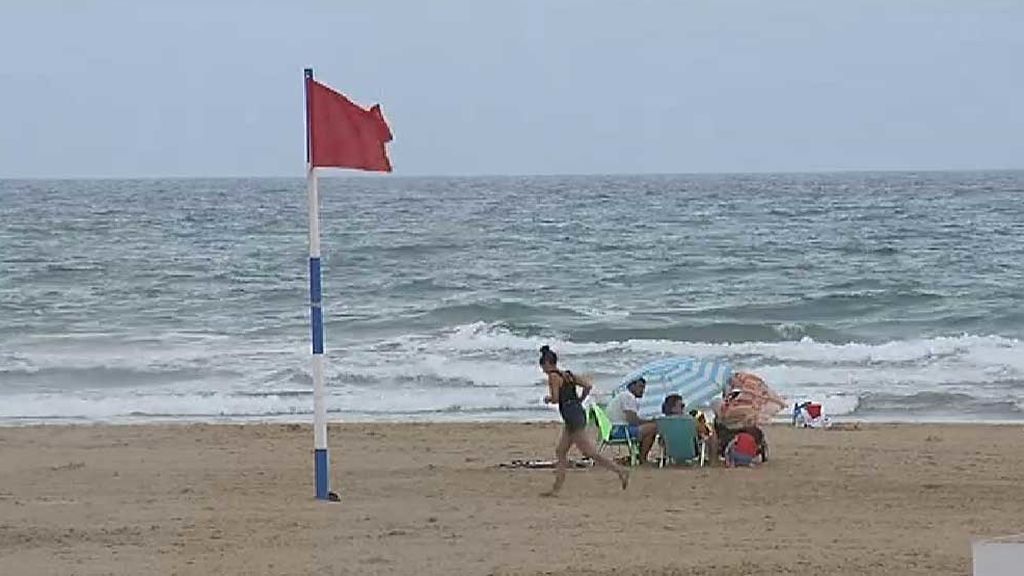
(803, 419)
(998, 556)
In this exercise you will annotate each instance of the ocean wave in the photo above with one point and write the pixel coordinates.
(514, 313)
(981, 365)
(719, 332)
(505, 311)
(839, 302)
(369, 404)
(437, 370)
(938, 403)
(423, 286)
(108, 376)
(395, 249)
(490, 368)
(497, 337)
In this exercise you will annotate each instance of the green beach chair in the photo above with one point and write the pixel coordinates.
(597, 415)
(681, 443)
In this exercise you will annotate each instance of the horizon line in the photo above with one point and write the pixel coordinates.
(340, 173)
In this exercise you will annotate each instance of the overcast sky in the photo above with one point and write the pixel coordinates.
(188, 88)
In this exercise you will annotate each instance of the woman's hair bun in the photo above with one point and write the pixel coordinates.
(547, 355)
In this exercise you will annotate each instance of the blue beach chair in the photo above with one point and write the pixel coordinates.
(681, 443)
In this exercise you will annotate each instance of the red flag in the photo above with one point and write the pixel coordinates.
(343, 135)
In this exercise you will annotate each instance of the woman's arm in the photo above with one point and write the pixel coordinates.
(554, 383)
(586, 384)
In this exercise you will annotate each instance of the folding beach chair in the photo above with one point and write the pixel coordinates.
(681, 442)
(604, 427)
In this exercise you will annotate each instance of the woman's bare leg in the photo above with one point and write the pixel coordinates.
(586, 446)
(562, 457)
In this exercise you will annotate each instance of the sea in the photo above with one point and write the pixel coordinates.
(886, 296)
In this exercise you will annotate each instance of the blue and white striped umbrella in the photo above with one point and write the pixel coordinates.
(697, 380)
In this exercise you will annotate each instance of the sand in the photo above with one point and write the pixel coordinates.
(429, 499)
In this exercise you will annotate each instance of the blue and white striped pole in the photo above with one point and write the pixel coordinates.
(316, 318)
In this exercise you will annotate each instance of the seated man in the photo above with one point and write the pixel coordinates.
(673, 405)
(623, 411)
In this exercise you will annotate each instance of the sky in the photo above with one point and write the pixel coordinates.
(189, 88)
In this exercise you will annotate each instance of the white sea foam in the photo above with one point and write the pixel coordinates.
(476, 370)
(344, 403)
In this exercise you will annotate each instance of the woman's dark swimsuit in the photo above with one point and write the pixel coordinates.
(569, 404)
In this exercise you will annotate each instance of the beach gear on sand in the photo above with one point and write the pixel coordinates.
(545, 464)
(810, 415)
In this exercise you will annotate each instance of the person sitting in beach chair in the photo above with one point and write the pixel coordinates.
(623, 411)
(731, 419)
(673, 405)
(679, 443)
(748, 403)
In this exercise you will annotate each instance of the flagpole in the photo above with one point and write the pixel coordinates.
(320, 460)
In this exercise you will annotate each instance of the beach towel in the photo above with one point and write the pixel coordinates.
(545, 464)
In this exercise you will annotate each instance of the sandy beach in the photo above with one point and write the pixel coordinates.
(430, 499)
